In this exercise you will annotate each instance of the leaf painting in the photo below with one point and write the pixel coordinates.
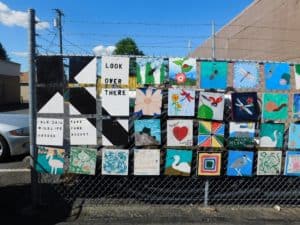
(151, 71)
(296, 106)
(211, 106)
(148, 102)
(275, 106)
(147, 132)
(269, 163)
(182, 71)
(83, 160)
(180, 132)
(241, 135)
(115, 162)
(271, 135)
(209, 164)
(181, 102)
(277, 76)
(245, 106)
(50, 160)
(292, 163)
(240, 163)
(178, 162)
(213, 75)
(211, 134)
(294, 136)
(245, 75)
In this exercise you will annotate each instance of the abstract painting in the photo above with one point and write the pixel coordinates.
(148, 102)
(211, 106)
(115, 161)
(147, 132)
(209, 164)
(180, 133)
(115, 102)
(241, 135)
(181, 102)
(271, 135)
(246, 75)
(146, 162)
(50, 160)
(275, 106)
(182, 71)
(211, 134)
(297, 76)
(277, 76)
(213, 75)
(294, 134)
(240, 163)
(296, 106)
(292, 163)
(245, 106)
(178, 162)
(82, 100)
(83, 160)
(151, 70)
(269, 163)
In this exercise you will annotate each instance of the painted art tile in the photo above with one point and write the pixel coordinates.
(213, 75)
(277, 76)
(211, 134)
(181, 102)
(147, 162)
(275, 106)
(245, 106)
(269, 163)
(49, 131)
(271, 135)
(297, 76)
(115, 132)
(182, 71)
(292, 163)
(115, 102)
(180, 132)
(241, 135)
(151, 71)
(294, 136)
(83, 160)
(50, 160)
(209, 164)
(211, 106)
(115, 162)
(296, 106)
(178, 162)
(240, 163)
(147, 132)
(246, 75)
(148, 102)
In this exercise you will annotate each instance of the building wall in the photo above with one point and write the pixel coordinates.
(9, 90)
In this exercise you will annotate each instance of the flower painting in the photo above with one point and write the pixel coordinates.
(271, 135)
(245, 106)
(182, 71)
(296, 106)
(246, 75)
(178, 162)
(275, 106)
(211, 134)
(277, 76)
(115, 161)
(292, 163)
(148, 102)
(181, 102)
(150, 70)
(147, 132)
(180, 132)
(240, 163)
(211, 106)
(83, 160)
(294, 136)
(213, 75)
(269, 162)
(241, 135)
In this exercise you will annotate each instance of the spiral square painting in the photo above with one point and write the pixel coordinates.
(209, 164)
(181, 102)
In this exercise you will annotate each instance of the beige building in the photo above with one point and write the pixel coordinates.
(9, 83)
(24, 89)
(265, 30)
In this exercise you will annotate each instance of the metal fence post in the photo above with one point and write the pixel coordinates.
(206, 189)
(32, 105)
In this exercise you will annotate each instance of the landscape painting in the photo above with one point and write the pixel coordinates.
(182, 71)
(241, 135)
(147, 132)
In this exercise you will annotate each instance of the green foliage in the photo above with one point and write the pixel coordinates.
(3, 54)
(127, 46)
(186, 69)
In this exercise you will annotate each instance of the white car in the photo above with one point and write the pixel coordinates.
(14, 135)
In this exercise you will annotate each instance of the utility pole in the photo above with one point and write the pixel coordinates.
(213, 40)
(58, 24)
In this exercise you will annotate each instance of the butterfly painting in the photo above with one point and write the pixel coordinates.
(180, 132)
(181, 102)
(211, 106)
(213, 75)
(275, 106)
(244, 106)
(277, 76)
(245, 75)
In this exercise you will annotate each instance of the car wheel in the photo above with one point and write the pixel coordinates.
(4, 149)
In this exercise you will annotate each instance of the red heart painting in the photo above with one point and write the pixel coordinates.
(180, 132)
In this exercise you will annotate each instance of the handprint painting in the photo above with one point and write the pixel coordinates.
(182, 71)
(115, 161)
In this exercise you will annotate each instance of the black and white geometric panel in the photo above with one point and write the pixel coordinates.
(83, 70)
(50, 70)
(83, 131)
(50, 100)
(82, 100)
(115, 102)
(115, 132)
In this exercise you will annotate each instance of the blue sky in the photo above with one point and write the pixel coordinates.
(160, 27)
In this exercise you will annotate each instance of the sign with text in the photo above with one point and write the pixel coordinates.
(82, 132)
(49, 131)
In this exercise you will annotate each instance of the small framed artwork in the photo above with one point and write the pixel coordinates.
(211, 134)
(147, 162)
(213, 75)
(241, 135)
(181, 102)
(296, 106)
(147, 132)
(182, 71)
(269, 163)
(115, 162)
(148, 102)
(240, 163)
(178, 162)
(180, 132)
(277, 76)
(275, 106)
(83, 160)
(245, 106)
(292, 163)
(246, 75)
(211, 106)
(209, 164)
(271, 135)
(294, 134)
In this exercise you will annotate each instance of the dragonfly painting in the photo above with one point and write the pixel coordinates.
(245, 106)
(246, 75)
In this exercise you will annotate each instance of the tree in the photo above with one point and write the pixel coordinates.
(3, 54)
(127, 46)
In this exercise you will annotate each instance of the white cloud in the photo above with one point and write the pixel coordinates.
(101, 50)
(20, 54)
(11, 18)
